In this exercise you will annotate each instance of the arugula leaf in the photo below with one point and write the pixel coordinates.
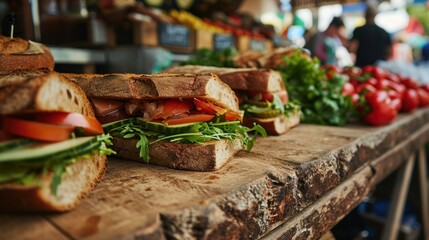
(201, 132)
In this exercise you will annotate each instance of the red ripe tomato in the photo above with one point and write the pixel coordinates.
(379, 73)
(396, 98)
(37, 130)
(382, 110)
(410, 100)
(393, 77)
(88, 124)
(174, 107)
(367, 69)
(410, 83)
(348, 89)
(372, 81)
(423, 97)
(208, 107)
(397, 87)
(382, 84)
(365, 88)
(425, 87)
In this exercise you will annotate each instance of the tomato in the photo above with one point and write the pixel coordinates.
(352, 71)
(379, 73)
(410, 100)
(174, 107)
(355, 98)
(104, 107)
(36, 130)
(396, 99)
(365, 88)
(233, 116)
(410, 83)
(348, 89)
(371, 81)
(268, 96)
(393, 77)
(382, 110)
(397, 87)
(423, 97)
(191, 118)
(88, 124)
(367, 69)
(208, 107)
(332, 68)
(382, 84)
(425, 87)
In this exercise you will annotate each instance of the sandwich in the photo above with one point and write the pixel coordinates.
(52, 148)
(269, 60)
(262, 93)
(19, 54)
(179, 121)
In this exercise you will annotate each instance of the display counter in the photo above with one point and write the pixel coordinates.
(298, 185)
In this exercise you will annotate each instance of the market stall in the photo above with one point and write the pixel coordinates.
(298, 185)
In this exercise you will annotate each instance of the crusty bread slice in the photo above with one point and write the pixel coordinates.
(80, 179)
(39, 91)
(28, 91)
(157, 86)
(19, 54)
(203, 157)
(275, 126)
(239, 78)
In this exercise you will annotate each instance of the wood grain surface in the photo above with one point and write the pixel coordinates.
(296, 185)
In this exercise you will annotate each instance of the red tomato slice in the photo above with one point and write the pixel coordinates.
(233, 116)
(174, 107)
(88, 124)
(208, 107)
(189, 119)
(36, 130)
(103, 107)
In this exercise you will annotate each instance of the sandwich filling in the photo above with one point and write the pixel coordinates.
(184, 120)
(35, 144)
(266, 104)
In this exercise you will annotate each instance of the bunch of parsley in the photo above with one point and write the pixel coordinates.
(321, 98)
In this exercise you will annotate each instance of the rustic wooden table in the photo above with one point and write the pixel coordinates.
(298, 185)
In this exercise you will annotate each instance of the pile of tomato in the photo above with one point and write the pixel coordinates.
(379, 95)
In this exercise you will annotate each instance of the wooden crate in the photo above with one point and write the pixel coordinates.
(203, 39)
(243, 44)
(145, 33)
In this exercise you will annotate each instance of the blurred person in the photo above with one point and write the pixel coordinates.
(370, 42)
(325, 45)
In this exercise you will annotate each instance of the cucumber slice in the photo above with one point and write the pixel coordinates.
(111, 126)
(170, 129)
(268, 114)
(12, 144)
(61, 150)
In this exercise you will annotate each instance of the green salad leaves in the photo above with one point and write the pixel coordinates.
(199, 132)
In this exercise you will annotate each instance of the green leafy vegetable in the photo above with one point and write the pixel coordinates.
(201, 132)
(321, 99)
(208, 57)
(29, 172)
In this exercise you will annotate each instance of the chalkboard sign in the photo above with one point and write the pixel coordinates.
(222, 41)
(257, 45)
(174, 35)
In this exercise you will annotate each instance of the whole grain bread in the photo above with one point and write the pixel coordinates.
(238, 78)
(19, 54)
(34, 91)
(157, 86)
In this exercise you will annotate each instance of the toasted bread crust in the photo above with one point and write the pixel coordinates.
(275, 126)
(85, 174)
(157, 86)
(250, 79)
(18, 54)
(31, 91)
(204, 157)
